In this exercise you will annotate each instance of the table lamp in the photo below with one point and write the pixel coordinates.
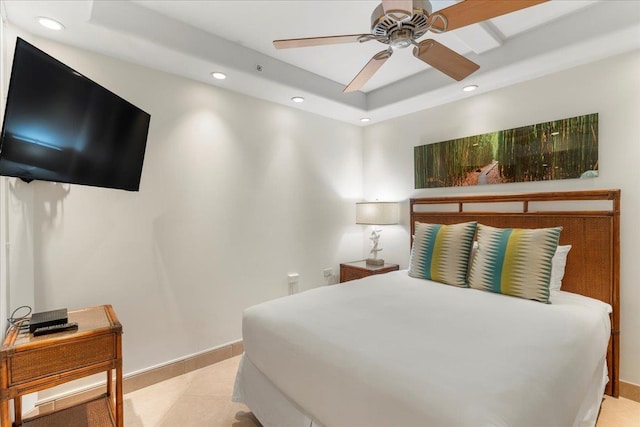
(375, 214)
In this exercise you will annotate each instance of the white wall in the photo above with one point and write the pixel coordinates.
(16, 219)
(610, 88)
(236, 193)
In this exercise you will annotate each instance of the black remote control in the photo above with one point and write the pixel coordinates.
(55, 328)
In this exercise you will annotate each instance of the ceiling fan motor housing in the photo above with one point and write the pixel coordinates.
(400, 33)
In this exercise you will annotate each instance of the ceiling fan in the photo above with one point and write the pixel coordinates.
(400, 23)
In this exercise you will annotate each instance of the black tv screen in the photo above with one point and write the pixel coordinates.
(61, 126)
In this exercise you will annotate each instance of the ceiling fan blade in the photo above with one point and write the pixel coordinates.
(368, 71)
(318, 41)
(444, 59)
(398, 7)
(473, 11)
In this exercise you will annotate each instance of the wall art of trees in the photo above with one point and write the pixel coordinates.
(561, 149)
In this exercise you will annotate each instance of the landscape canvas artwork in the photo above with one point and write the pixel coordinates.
(561, 149)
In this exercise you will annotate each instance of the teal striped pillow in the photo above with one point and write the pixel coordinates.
(514, 261)
(441, 252)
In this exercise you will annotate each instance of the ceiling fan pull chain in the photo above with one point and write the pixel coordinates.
(433, 18)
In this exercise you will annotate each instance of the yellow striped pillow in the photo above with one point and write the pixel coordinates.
(514, 261)
(441, 252)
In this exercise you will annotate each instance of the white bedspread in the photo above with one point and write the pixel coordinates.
(391, 350)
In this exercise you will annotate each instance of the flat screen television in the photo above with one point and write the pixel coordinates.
(61, 126)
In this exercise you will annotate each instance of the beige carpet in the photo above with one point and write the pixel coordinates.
(202, 398)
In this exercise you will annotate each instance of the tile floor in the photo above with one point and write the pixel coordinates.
(202, 398)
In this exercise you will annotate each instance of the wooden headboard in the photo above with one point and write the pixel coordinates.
(591, 224)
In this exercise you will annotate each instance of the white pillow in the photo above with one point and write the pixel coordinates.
(472, 255)
(558, 263)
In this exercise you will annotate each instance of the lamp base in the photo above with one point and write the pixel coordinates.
(375, 261)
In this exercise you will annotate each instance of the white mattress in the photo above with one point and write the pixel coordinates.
(394, 350)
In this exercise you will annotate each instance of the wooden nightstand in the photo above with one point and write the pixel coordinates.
(29, 364)
(359, 269)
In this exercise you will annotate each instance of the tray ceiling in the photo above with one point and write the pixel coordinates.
(194, 38)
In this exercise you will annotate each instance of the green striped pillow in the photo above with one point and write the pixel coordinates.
(441, 252)
(514, 261)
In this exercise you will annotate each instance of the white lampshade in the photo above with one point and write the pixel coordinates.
(377, 213)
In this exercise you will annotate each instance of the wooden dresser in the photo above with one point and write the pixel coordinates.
(29, 364)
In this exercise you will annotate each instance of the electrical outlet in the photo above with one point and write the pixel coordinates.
(328, 276)
(292, 280)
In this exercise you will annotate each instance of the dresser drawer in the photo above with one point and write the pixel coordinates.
(58, 358)
(347, 274)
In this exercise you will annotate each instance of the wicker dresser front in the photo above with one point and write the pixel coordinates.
(31, 363)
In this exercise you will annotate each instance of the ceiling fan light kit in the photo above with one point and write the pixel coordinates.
(400, 23)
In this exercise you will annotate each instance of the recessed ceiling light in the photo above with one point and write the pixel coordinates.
(470, 88)
(49, 23)
(365, 120)
(297, 99)
(218, 75)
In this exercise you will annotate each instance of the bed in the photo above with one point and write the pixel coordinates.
(395, 350)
